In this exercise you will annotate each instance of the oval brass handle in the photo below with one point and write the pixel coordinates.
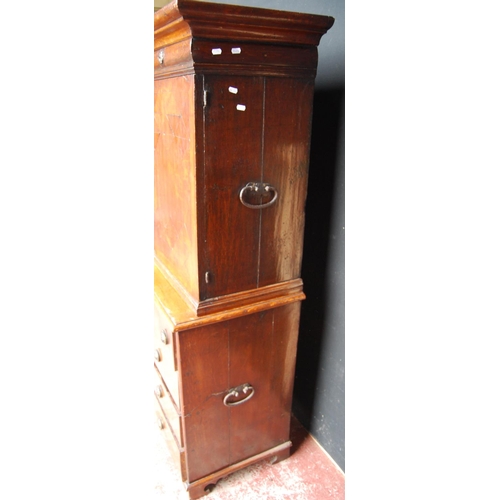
(159, 391)
(245, 388)
(258, 187)
(160, 423)
(157, 355)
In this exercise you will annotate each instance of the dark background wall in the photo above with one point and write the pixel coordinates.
(319, 401)
(319, 396)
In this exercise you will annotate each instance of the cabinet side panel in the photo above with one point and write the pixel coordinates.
(285, 334)
(287, 124)
(175, 230)
(204, 381)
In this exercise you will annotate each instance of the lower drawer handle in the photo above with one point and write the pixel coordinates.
(245, 388)
(261, 189)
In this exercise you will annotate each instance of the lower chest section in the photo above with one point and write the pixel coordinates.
(226, 394)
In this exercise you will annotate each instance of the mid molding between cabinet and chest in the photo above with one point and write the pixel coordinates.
(184, 313)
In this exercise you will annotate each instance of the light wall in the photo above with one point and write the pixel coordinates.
(160, 3)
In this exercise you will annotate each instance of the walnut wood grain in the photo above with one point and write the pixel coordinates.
(233, 157)
(175, 217)
(182, 19)
(211, 142)
(287, 123)
(262, 351)
(233, 106)
(180, 316)
(257, 349)
(204, 364)
(198, 489)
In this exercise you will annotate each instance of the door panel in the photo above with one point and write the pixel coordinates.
(251, 361)
(233, 157)
(204, 368)
(258, 349)
(287, 123)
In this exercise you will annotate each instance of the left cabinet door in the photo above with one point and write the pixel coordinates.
(233, 148)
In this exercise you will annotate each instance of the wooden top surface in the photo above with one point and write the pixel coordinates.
(182, 19)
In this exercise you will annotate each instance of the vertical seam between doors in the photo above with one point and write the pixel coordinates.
(228, 386)
(261, 172)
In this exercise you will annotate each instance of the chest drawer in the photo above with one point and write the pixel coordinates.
(170, 412)
(164, 353)
(177, 453)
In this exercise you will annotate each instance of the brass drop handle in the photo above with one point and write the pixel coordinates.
(260, 188)
(245, 389)
(164, 337)
(159, 391)
(160, 424)
(157, 355)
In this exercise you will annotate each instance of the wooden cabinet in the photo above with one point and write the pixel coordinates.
(233, 107)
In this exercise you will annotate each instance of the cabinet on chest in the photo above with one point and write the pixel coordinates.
(233, 108)
(236, 380)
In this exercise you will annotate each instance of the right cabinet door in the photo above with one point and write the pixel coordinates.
(253, 355)
(256, 153)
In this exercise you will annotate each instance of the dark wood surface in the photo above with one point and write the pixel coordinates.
(287, 124)
(256, 349)
(232, 231)
(183, 19)
(269, 144)
(179, 315)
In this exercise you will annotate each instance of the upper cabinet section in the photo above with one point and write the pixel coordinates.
(206, 37)
(233, 106)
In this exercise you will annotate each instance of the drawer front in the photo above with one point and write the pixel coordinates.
(177, 454)
(170, 412)
(164, 353)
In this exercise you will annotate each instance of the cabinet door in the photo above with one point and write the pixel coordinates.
(256, 130)
(256, 351)
(232, 157)
(287, 122)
